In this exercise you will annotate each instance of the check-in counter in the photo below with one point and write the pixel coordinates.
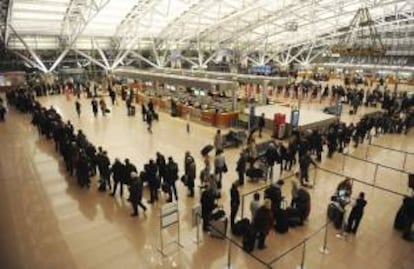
(226, 119)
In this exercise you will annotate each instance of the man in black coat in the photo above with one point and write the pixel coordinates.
(261, 124)
(161, 165)
(241, 167)
(234, 202)
(153, 181)
(262, 223)
(104, 163)
(82, 171)
(171, 176)
(274, 194)
(271, 156)
(135, 193)
(118, 174)
(94, 104)
(189, 172)
(304, 162)
(128, 169)
(208, 204)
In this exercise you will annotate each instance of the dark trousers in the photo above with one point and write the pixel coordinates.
(153, 193)
(121, 191)
(172, 190)
(233, 213)
(261, 237)
(135, 207)
(353, 222)
(241, 177)
(304, 175)
(190, 186)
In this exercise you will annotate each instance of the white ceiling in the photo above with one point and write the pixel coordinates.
(246, 24)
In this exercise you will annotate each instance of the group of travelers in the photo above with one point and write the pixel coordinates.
(84, 161)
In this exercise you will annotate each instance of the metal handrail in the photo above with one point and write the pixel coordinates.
(375, 163)
(232, 241)
(299, 244)
(392, 149)
(361, 181)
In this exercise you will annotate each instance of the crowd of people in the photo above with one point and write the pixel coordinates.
(83, 160)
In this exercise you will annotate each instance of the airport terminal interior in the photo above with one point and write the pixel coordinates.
(206, 134)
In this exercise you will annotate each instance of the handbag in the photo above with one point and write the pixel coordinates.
(184, 179)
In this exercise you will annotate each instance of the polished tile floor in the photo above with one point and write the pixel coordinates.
(48, 222)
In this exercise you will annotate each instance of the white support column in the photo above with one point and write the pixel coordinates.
(189, 60)
(154, 51)
(210, 58)
(90, 59)
(253, 60)
(30, 50)
(78, 31)
(142, 58)
(103, 56)
(29, 61)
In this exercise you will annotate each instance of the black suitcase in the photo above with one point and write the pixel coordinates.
(249, 239)
(282, 221)
(217, 214)
(241, 227)
(294, 217)
(255, 173)
(335, 215)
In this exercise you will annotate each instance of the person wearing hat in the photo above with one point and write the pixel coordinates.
(262, 222)
(135, 193)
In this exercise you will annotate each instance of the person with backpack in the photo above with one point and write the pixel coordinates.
(171, 176)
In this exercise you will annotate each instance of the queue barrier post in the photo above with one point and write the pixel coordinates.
(242, 207)
(405, 161)
(343, 162)
(324, 249)
(228, 265)
(302, 262)
(375, 174)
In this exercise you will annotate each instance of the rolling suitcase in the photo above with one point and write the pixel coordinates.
(218, 228)
(249, 240)
(282, 221)
(294, 218)
(241, 227)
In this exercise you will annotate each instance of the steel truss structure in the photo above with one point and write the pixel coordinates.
(167, 32)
